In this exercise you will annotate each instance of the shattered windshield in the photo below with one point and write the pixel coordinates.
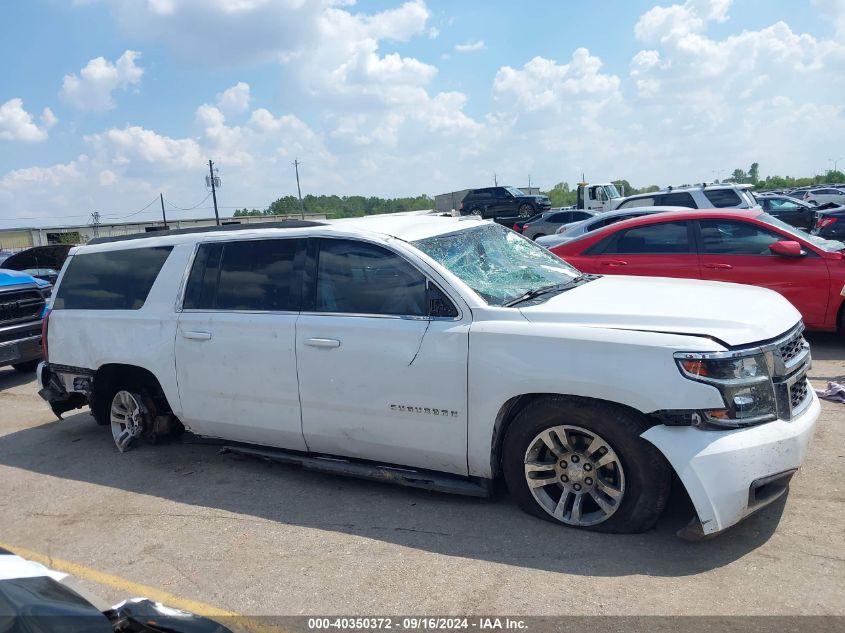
(497, 263)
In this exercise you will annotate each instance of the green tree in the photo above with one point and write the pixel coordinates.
(754, 173)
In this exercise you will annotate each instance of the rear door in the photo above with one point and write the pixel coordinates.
(737, 251)
(379, 378)
(662, 249)
(235, 342)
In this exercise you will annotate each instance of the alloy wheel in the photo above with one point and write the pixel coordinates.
(575, 475)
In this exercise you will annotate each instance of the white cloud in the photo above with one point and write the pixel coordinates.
(467, 47)
(16, 124)
(234, 100)
(93, 88)
(678, 20)
(543, 83)
(136, 145)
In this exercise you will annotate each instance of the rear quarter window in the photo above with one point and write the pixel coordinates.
(722, 198)
(113, 280)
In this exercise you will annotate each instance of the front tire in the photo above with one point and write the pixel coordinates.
(539, 235)
(526, 210)
(584, 464)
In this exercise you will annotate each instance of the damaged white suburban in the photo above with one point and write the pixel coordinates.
(442, 353)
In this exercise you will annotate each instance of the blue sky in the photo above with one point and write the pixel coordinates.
(397, 98)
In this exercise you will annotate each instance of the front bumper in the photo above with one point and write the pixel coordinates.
(20, 343)
(731, 474)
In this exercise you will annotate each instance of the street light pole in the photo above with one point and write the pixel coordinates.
(834, 161)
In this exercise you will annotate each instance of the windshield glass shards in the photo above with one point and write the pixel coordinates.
(498, 264)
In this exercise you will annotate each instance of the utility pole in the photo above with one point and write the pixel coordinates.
(163, 216)
(213, 191)
(298, 190)
(495, 180)
(529, 183)
(95, 219)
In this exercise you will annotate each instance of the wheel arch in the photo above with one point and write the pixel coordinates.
(511, 408)
(111, 375)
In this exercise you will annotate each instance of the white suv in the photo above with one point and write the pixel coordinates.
(700, 197)
(442, 353)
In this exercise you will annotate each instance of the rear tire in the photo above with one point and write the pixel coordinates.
(26, 368)
(476, 211)
(588, 450)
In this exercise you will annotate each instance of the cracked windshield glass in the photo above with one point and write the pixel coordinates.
(497, 263)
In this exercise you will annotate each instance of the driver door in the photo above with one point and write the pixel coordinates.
(379, 378)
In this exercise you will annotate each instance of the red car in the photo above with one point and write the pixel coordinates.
(745, 247)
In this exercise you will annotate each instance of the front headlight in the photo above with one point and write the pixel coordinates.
(744, 382)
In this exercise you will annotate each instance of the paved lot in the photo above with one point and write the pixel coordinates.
(256, 538)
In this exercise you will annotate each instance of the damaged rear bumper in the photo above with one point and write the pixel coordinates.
(731, 474)
(64, 389)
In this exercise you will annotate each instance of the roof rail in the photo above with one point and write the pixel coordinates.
(284, 224)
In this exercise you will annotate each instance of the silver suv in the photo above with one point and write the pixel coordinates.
(699, 197)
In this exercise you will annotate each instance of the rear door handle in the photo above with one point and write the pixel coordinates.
(719, 266)
(322, 342)
(196, 336)
(615, 262)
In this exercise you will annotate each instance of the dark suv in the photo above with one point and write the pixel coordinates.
(496, 202)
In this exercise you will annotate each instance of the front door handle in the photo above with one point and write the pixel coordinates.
(322, 342)
(719, 266)
(615, 262)
(196, 336)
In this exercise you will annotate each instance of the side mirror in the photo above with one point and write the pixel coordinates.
(787, 248)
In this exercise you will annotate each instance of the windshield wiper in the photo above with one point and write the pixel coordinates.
(533, 294)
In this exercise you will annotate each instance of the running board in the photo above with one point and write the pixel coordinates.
(438, 482)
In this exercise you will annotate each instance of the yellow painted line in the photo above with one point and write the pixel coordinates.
(134, 589)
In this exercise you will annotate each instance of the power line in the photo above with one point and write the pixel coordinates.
(129, 215)
(190, 208)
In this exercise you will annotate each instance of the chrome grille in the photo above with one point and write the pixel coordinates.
(791, 349)
(798, 392)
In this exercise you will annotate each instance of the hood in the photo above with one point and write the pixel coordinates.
(731, 313)
(52, 256)
(15, 278)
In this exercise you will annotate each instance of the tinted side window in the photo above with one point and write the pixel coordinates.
(612, 220)
(360, 278)
(560, 218)
(577, 216)
(256, 275)
(666, 237)
(114, 280)
(676, 199)
(721, 198)
(727, 237)
(637, 202)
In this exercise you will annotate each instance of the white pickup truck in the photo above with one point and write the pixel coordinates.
(443, 353)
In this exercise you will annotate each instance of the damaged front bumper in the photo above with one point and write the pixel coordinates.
(731, 474)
